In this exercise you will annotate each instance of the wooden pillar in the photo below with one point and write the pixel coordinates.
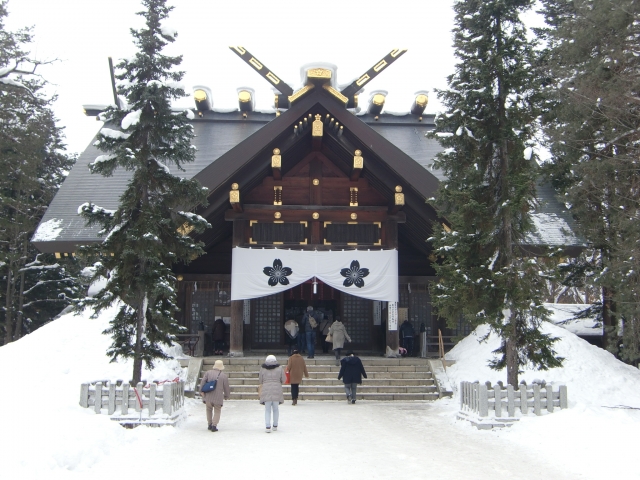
(393, 339)
(236, 348)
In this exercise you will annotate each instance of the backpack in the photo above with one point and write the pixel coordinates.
(312, 322)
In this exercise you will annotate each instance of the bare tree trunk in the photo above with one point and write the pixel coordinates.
(512, 354)
(9, 304)
(137, 359)
(21, 295)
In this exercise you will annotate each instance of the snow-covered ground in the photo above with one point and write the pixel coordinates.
(45, 434)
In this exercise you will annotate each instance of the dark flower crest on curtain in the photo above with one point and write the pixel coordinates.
(277, 273)
(354, 275)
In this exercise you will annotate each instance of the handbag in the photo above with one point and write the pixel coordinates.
(329, 338)
(210, 386)
(287, 376)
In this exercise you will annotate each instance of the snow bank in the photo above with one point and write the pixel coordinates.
(42, 374)
(594, 377)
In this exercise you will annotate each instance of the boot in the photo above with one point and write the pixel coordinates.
(294, 402)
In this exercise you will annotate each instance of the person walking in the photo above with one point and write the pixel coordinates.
(310, 325)
(218, 336)
(296, 367)
(351, 372)
(215, 398)
(324, 327)
(339, 334)
(291, 329)
(271, 379)
(407, 332)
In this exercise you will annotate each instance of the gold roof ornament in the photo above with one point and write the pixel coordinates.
(318, 75)
(358, 160)
(398, 197)
(277, 215)
(315, 215)
(276, 159)
(317, 126)
(354, 216)
(420, 103)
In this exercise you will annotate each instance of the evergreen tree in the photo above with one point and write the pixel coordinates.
(487, 131)
(594, 128)
(148, 232)
(33, 167)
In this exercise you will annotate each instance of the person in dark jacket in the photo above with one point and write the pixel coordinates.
(407, 333)
(351, 373)
(310, 322)
(218, 336)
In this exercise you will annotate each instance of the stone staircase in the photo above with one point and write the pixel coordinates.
(388, 379)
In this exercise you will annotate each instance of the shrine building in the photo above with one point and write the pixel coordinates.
(321, 203)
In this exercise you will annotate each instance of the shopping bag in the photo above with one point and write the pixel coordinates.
(287, 377)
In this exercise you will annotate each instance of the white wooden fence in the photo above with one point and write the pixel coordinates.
(168, 396)
(482, 398)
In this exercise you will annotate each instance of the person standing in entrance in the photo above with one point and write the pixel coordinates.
(324, 327)
(214, 398)
(271, 379)
(407, 333)
(339, 334)
(218, 336)
(310, 325)
(351, 372)
(296, 368)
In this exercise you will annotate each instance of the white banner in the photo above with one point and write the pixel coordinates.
(363, 273)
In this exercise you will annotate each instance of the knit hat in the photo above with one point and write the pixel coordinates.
(218, 365)
(271, 360)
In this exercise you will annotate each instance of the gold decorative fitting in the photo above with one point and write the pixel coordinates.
(315, 215)
(399, 198)
(277, 195)
(353, 196)
(255, 63)
(320, 73)
(335, 93)
(363, 79)
(422, 100)
(354, 216)
(179, 278)
(244, 115)
(398, 188)
(378, 99)
(58, 255)
(316, 182)
(355, 101)
(185, 229)
(199, 95)
(317, 127)
(358, 161)
(244, 96)
(272, 78)
(300, 93)
(381, 64)
(240, 50)
(234, 196)
(277, 215)
(276, 159)
(397, 52)
(446, 228)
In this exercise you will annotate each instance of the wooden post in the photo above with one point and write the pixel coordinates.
(112, 398)
(236, 331)
(497, 392)
(139, 396)
(524, 405)
(393, 338)
(536, 399)
(152, 399)
(98, 404)
(463, 395)
(549, 389)
(483, 400)
(511, 401)
(125, 398)
(166, 398)
(564, 402)
(84, 395)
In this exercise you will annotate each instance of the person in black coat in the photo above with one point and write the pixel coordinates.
(351, 373)
(218, 336)
(407, 333)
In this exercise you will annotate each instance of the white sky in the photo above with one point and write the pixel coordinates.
(283, 35)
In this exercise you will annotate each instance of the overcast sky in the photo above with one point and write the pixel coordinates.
(284, 35)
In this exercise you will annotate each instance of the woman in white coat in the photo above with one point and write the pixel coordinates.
(271, 379)
(338, 335)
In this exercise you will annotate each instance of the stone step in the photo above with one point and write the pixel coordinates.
(341, 396)
(334, 375)
(364, 388)
(327, 368)
(328, 360)
(335, 381)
